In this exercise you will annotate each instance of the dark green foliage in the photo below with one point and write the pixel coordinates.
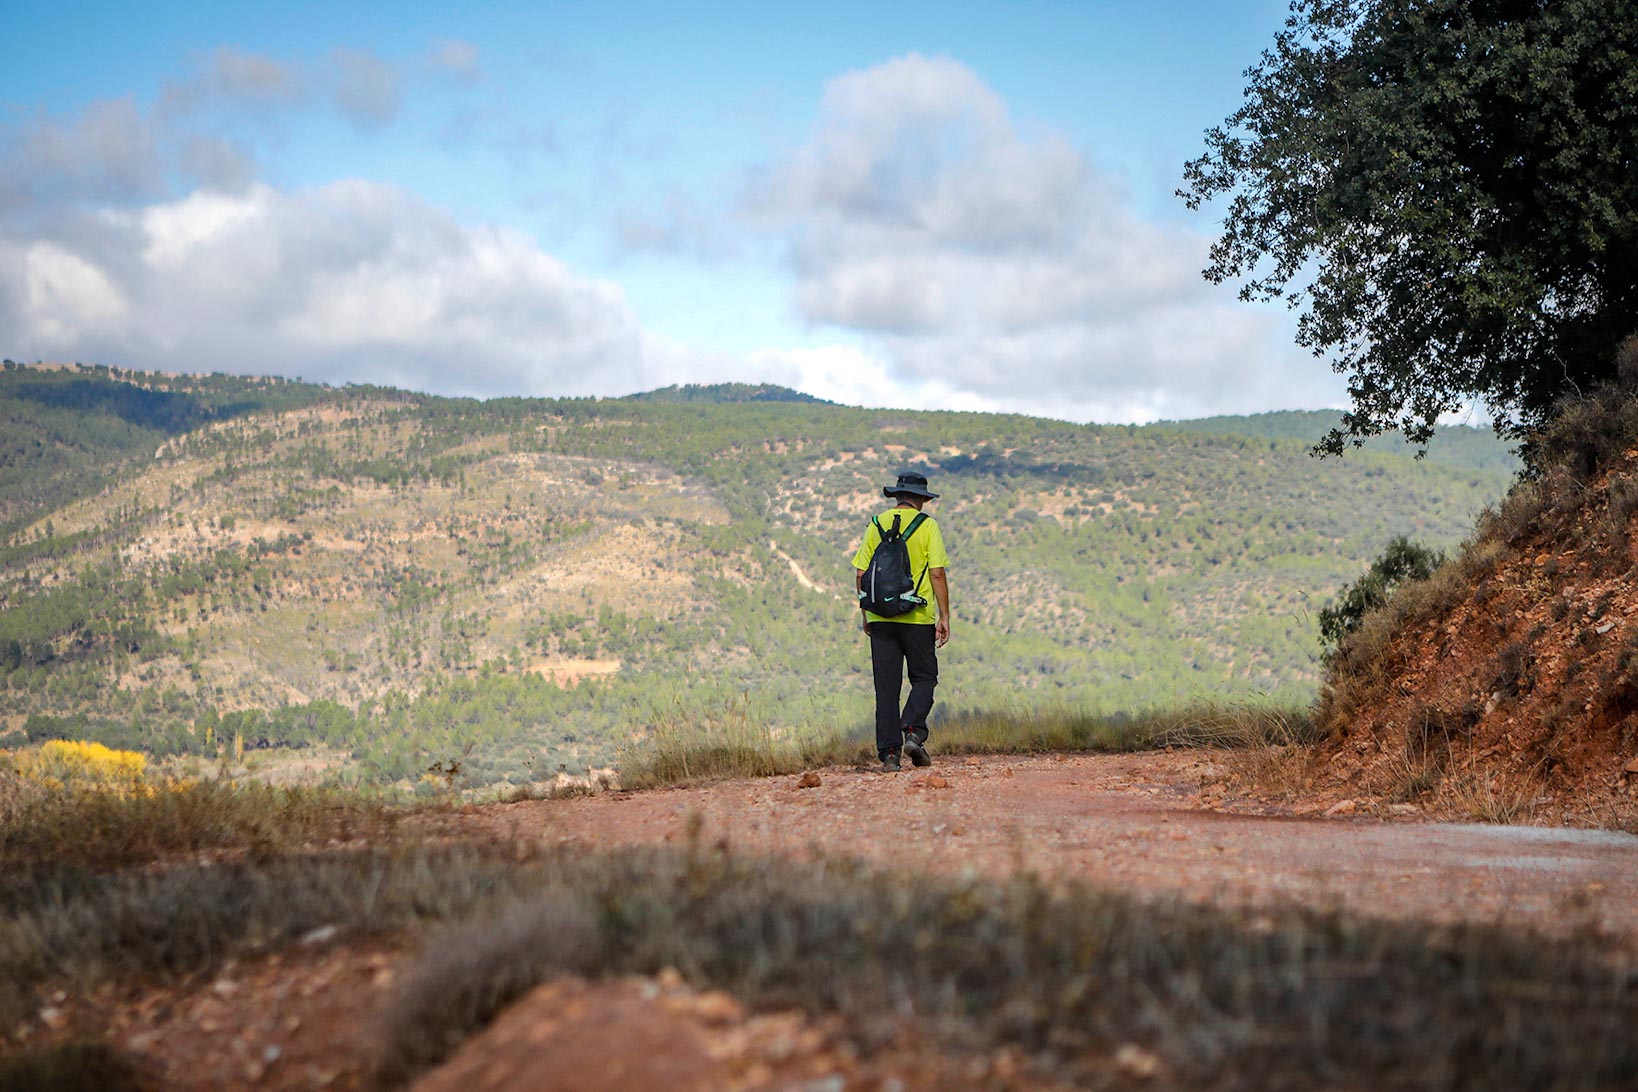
(1592, 430)
(725, 393)
(1402, 561)
(1450, 189)
(164, 411)
(1458, 447)
(160, 737)
(72, 1067)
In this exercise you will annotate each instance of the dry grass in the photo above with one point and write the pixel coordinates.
(1493, 796)
(1271, 999)
(58, 829)
(80, 928)
(688, 747)
(1576, 506)
(1587, 434)
(1280, 771)
(682, 751)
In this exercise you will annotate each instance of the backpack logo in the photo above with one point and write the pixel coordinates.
(889, 588)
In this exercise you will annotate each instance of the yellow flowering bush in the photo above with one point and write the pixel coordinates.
(71, 764)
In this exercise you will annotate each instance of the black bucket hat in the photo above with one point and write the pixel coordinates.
(913, 484)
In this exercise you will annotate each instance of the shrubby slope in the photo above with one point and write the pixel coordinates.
(1506, 685)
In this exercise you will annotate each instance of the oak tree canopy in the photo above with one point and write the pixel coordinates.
(1447, 192)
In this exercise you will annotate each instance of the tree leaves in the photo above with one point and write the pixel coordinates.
(1448, 191)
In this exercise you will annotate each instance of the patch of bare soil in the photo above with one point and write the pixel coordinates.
(570, 673)
(293, 1020)
(659, 1035)
(1517, 697)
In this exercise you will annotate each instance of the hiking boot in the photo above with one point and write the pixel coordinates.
(913, 748)
(890, 762)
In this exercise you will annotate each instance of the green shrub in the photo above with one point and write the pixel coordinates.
(1401, 562)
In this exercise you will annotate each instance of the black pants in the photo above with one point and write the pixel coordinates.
(892, 646)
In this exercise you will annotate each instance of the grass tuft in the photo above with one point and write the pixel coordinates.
(473, 972)
(89, 928)
(1494, 796)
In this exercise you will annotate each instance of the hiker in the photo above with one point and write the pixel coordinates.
(904, 624)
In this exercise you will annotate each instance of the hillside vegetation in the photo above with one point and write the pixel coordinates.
(365, 584)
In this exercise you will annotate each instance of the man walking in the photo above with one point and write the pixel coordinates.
(912, 637)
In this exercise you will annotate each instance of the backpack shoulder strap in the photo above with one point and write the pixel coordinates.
(917, 522)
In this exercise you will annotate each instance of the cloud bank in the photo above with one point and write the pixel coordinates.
(352, 281)
(979, 254)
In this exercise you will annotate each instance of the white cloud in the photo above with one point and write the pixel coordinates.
(66, 295)
(456, 57)
(202, 130)
(110, 152)
(988, 256)
(354, 281)
(367, 89)
(972, 261)
(853, 376)
(231, 75)
(678, 226)
(102, 259)
(216, 164)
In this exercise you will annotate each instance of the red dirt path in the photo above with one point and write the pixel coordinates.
(1133, 822)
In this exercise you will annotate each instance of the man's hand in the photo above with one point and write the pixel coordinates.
(864, 622)
(941, 596)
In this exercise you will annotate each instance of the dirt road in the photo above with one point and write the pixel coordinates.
(1133, 822)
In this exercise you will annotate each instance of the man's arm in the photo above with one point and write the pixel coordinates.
(941, 595)
(858, 587)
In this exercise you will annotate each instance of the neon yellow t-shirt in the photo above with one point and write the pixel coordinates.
(926, 548)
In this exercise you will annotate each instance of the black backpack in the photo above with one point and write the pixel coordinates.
(889, 589)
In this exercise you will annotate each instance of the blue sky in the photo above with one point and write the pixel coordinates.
(921, 205)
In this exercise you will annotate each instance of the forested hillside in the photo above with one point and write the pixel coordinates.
(726, 393)
(376, 582)
(1469, 448)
